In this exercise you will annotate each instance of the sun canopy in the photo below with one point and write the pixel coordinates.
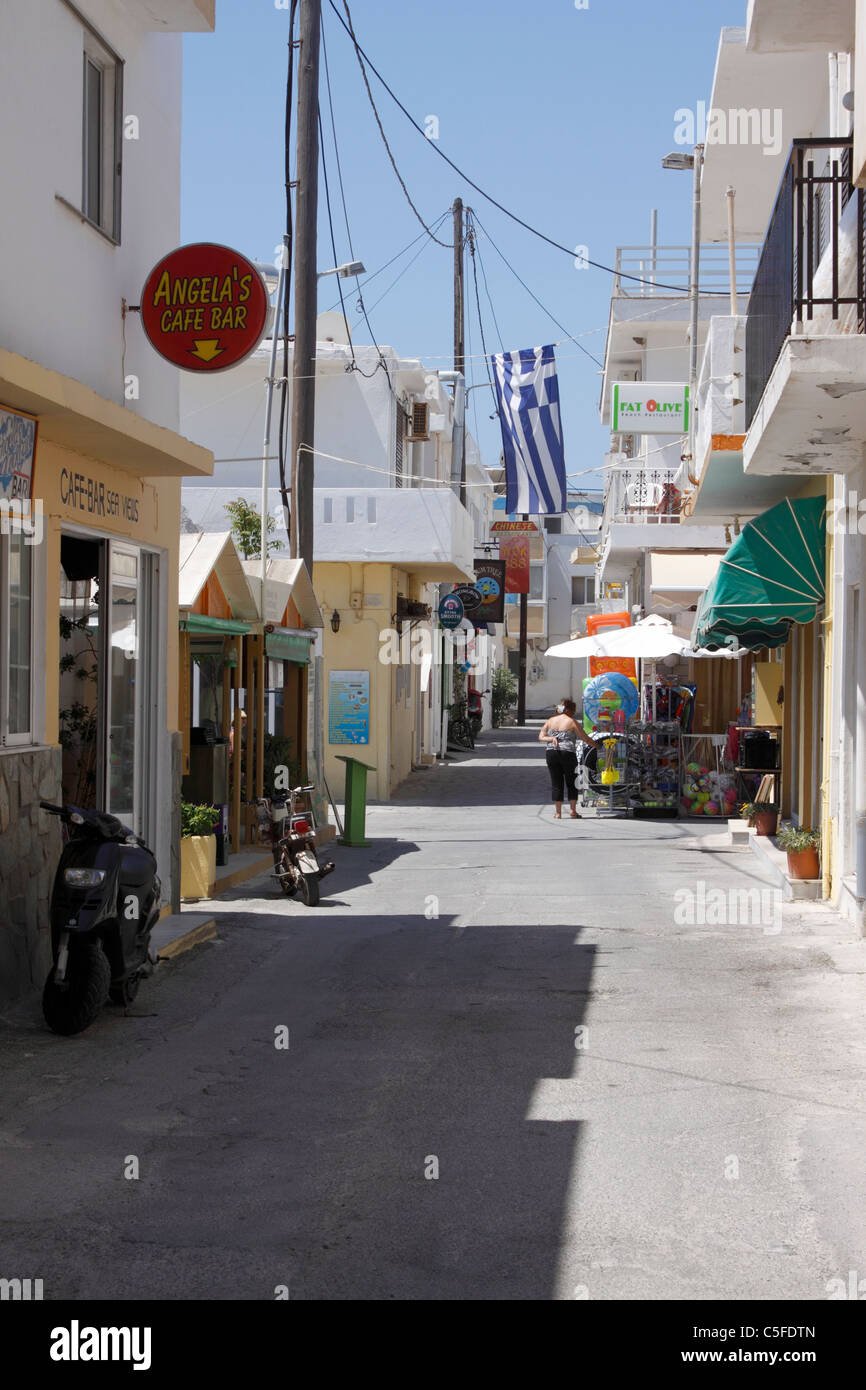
(771, 578)
(650, 639)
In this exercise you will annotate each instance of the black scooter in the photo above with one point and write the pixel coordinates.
(104, 905)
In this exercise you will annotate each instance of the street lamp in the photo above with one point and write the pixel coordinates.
(345, 271)
(678, 159)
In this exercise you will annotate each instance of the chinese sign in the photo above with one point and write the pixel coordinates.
(514, 550)
(17, 448)
(204, 307)
(349, 707)
(650, 407)
(518, 527)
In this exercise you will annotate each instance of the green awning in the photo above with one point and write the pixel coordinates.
(287, 646)
(197, 622)
(771, 578)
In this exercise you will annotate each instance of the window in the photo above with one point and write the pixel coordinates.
(582, 589)
(553, 525)
(16, 628)
(536, 581)
(100, 195)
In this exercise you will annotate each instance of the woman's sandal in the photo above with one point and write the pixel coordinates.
(575, 815)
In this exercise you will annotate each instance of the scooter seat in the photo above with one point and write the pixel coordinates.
(136, 868)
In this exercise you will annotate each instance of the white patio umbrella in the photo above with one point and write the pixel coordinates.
(649, 640)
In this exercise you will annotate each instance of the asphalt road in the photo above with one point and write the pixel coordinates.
(436, 1127)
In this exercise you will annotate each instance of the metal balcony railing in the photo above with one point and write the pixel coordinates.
(809, 270)
(663, 270)
(643, 496)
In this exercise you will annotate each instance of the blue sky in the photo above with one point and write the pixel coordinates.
(562, 114)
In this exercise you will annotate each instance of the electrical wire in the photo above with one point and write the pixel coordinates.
(519, 278)
(413, 242)
(472, 240)
(406, 268)
(360, 56)
(351, 366)
(569, 251)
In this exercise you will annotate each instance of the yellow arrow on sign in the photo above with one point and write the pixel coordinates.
(206, 348)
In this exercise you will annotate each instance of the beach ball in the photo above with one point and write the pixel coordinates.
(692, 767)
(703, 797)
(711, 808)
(611, 690)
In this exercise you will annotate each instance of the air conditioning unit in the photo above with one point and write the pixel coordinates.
(419, 420)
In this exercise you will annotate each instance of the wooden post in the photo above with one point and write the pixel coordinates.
(459, 326)
(306, 284)
(260, 719)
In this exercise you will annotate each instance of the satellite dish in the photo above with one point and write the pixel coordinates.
(331, 327)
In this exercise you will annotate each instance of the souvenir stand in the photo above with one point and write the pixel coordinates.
(667, 707)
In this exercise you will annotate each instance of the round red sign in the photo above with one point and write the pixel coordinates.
(204, 307)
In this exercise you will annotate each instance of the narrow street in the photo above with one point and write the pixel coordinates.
(701, 1141)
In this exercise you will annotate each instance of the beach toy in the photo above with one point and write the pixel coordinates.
(711, 808)
(610, 692)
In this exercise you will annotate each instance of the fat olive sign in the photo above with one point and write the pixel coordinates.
(650, 407)
(204, 307)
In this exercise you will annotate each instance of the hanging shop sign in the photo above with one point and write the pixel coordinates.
(17, 451)
(514, 550)
(450, 611)
(204, 307)
(500, 527)
(349, 707)
(490, 583)
(470, 597)
(650, 407)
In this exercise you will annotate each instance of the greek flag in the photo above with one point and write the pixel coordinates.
(527, 393)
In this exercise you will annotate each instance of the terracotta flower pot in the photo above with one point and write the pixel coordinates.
(803, 863)
(766, 822)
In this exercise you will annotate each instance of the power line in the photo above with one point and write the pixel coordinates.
(406, 268)
(569, 251)
(472, 239)
(476, 249)
(382, 268)
(360, 56)
(551, 316)
(282, 430)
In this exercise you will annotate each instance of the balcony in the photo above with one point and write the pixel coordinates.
(661, 270)
(651, 313)
(643, 511)
(424, 531)
(805, 343)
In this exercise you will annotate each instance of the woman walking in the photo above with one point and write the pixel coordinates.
(561, 734)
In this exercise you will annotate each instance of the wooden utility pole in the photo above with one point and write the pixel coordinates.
(306, 284)
(521, 650)
(459, 323)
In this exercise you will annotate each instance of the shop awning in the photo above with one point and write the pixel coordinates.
(677, 579)
(197, 622)
(289, 646)
(771, 578)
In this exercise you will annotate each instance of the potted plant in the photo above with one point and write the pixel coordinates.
(802, 845)
(764, 815)
(197, 850)
(745, 814)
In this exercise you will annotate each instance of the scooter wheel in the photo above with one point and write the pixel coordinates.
(309, 886)
(125, 993)
(71, 1007)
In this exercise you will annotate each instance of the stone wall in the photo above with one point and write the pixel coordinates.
(29, 851)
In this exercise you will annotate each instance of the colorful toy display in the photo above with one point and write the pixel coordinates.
(604, 696)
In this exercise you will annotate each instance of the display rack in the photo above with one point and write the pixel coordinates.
(707, 778)
(658, 746)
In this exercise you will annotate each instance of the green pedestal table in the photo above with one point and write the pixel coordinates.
(356, 802)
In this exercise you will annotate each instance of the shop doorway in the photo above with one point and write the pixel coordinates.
(107, 711)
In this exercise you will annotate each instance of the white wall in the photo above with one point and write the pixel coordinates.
(63, 282)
